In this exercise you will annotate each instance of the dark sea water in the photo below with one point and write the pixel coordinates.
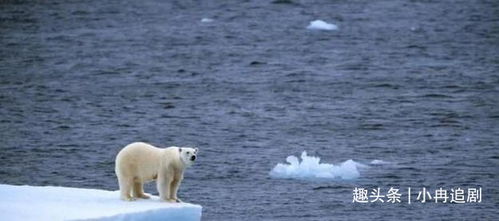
(414, 83)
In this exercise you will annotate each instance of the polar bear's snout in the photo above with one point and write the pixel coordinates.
(188, 155)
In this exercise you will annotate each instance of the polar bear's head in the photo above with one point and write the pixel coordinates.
(188, 155)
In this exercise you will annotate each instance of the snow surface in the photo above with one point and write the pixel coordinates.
(310, 168)
(321, 25)
(64, 203)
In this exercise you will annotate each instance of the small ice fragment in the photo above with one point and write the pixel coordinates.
(379, 162)
(321, 25)
(207, 20)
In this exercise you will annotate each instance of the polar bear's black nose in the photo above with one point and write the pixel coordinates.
(193, 158)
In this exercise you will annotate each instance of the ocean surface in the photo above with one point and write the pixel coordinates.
(414, 84)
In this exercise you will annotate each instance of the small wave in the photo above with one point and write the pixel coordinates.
(380, 162)
(310, 168)
(436, 96)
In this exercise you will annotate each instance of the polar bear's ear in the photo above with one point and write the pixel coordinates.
(180, 149)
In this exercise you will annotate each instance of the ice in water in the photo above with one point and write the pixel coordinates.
(321, 25)
(310, 168)
(207, 20)
(380, 162)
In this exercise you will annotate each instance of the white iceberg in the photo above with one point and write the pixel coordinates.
(64, 203)
(310, 168)
(321, 25)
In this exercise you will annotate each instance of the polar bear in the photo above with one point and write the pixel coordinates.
(138, 163)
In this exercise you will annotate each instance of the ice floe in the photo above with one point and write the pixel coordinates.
(64, 203)
(310, 168)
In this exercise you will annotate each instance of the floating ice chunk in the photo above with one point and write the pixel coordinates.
(63, 203)
(207, 20)
(321, 25)
(311, 168)
(380, 162)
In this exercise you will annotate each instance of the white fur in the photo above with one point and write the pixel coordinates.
(139, 163)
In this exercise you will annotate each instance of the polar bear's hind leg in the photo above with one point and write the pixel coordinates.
(125, 189)
(138, 190)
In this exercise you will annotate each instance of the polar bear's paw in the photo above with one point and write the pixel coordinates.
(145, 196)
(171, 200)
(127, 198)
(178, 200)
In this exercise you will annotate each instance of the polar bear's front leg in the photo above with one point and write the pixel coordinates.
(174, 188)
(163, 186)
